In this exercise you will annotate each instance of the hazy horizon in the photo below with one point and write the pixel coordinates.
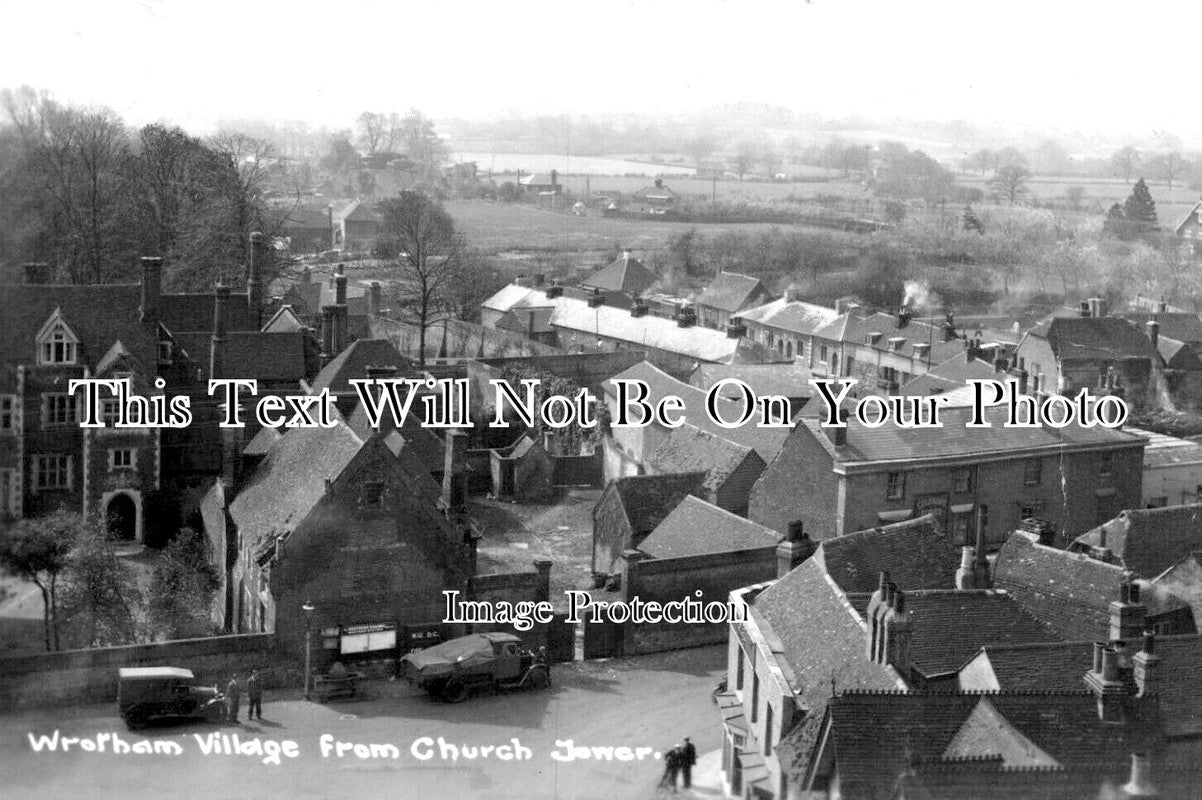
(1062, 68)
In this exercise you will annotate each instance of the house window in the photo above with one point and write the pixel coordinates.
(739, 670)
(1030, 509)
(58, 409)
(983, 520)
(8, 413)
(822, 354)
(1105, 465)
(755, 696)
(895, 486)
(122, 458)
(110, 412)
(962, 481)
(58, 346)
(373, 494)
(961, 528)
(768, 730)
(1032, 472)
(51, 472)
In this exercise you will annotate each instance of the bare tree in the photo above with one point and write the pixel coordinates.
(1125, 162)
(745, 156)
(1169, 165)
(370, 131)
(1009, 183)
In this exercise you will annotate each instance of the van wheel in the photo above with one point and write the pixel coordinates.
(455, 692)
(215, 714)
(538, 679)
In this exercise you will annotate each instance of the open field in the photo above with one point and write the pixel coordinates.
(1171, 205)
(576, 165)
(496, 227)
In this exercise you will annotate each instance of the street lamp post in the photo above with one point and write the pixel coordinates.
(308, 608)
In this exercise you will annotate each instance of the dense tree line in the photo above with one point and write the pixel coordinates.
(82, 191)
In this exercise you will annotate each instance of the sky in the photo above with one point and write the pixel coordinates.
(1097, 66)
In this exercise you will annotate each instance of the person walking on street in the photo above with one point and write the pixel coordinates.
(254, 696)
(688, 757)
(233, 697)
(671, 768)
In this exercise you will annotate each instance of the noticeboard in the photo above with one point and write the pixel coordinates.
(367, 638)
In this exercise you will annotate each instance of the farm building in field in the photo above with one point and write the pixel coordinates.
(657, 200)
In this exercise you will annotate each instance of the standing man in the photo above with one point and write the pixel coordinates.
(233, 696)
(671, 768)
(254, 696)
(688, 757)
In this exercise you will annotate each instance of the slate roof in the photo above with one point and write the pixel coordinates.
(730, 291)
(1178, 354)
(252, 354)
(291, 480)
(696, 528)
(795, 316)
(914, 553)
(354, 361)
(193, 312)
(703, 344)
(263, 441)
(940, 351)
(1179, 325)
(892, 442)
(928, 384)
(949, 626)
(882, 741)
(690, 449)
(1148, 541)
(507, 297)
(424, 443)
(99, 315)
(766, 442)
(623, 274)
(648, 499)
(1095, 338)
(788, 379)
(309, 298)
(1070, 592)
(359, 211)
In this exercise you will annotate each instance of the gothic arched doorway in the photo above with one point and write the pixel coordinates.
(121, 518)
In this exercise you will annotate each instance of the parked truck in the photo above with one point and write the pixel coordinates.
(452, 670)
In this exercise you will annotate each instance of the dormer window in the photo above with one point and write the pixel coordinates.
(895, 344)
(57, 344)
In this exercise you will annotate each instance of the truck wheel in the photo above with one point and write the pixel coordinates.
(538, 679)
(215, 714)
(455, 692)
(136, 717)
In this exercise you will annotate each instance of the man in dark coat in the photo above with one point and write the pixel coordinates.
(233, 698)
(671, 767)
(254, 696)
(688, 757)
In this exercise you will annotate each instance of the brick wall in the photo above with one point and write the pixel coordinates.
(611, 531)
(90, 676)
(797, 485)
(668, 579)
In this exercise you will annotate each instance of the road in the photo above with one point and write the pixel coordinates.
(645, 704)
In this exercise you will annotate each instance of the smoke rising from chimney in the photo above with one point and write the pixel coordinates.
(919, 297)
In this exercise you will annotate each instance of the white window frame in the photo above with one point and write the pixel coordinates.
(51, 420)
(132, 462)
(895, 490)
(64, 464)
(57, 344)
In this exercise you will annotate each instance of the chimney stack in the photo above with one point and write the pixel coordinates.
(898, 631)
(1154, 332)
(838, 433)
(217, 346)
(1146, 668)
(1127, 614)
(340, 285)
(327, 334)
(1106, 683)
(375, 295)
(1085, 309)
(254, 280)
(795, 548)
(638, 308)
(903, 317)
(735, 329)
(152, 288)
(876, 608)
(1162, 306)
(454, 474)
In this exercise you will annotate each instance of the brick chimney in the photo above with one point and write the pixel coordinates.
(1127, 614)
(1022, 376)
(454, 471)
(375, 295)
(898, 633)
(1106, 682)
(327, 334)
(340, 285)
(543, 568)
(1085, 309)
(217, 347)
(152, 288)
(838, 433)
(1145, 668)
(795, 548)
(254, 278)
(903, 317)
(1154, 332)
(876, 608)
(735, 329)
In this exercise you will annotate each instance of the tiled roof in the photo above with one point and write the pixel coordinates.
(359, 211)
(624, 274)
(507, 297)
(915, 333)
(729, 291)
(193, 313)
(424, 443)
(263, 441)
(696, 527)
(1178, 354)
(1071, 592)
(961, 369)
(1106, 338)
(767, 442)
(648, 499)
(690, 449)
(954, 438)
(949, 626)
(291, 480)
(703, 344)
(354, 361)
(795, 316)
(99, 315)
(252, 354)
(1148, 541)
(928, 384)
(309, 298)
(1180, 325)
(785, 379)
(882, 742)
(914, 553)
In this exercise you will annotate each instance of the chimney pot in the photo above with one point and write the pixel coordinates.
(152, 287)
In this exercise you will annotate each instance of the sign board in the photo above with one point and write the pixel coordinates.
(419, 637)
(367, 638)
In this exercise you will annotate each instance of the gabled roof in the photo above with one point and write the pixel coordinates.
(988, 734)
(730, 291)
(309, 298)
(98, 314)
(795, 316)
(359, 211)
(901, 341)
(424, 443)
(291, 480)
(914, 553)
(1071, 592)
(284, 320)
(690, 449)
(1148, 541)
(696, 528)
(623, 274)
(647, 499)
(507, 297)
(354, 361)
(1180, 325)
(1103, 338)
(1178, 354)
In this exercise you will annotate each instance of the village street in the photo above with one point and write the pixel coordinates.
(647, 702)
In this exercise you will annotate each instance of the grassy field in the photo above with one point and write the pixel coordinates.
(1171, 205)
(500, 227)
